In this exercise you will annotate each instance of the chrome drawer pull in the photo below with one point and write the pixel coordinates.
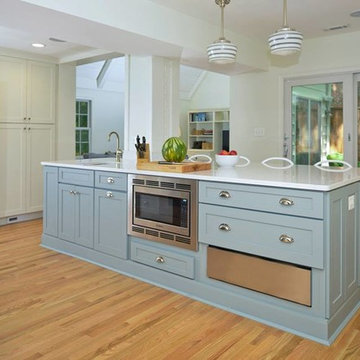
(72, 192)
(286, 202)
(286, 239)
(160, 260)
(224, 227)
(109, 194)
(224, 194)
(110, 180)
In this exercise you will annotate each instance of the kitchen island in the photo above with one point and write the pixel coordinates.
(278, 246)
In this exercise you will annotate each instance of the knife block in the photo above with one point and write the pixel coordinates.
(146, 157)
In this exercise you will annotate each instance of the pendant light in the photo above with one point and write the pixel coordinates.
(285, 41)
(222, 51)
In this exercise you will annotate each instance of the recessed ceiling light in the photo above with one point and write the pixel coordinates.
(355, 13)
(37, 45)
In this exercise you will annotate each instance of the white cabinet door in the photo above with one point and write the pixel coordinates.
(12, 89)
(40, 92)
(12, 169)
(40, 147)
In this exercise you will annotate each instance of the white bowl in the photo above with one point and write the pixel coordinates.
(226, 160)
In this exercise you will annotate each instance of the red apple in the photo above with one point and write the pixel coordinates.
(233, 152)
(223, 152)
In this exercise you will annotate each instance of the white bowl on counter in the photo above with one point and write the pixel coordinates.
(226, 160)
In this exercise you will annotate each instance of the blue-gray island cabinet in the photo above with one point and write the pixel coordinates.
(283, 255)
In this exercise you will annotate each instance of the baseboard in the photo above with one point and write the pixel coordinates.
(20, 218)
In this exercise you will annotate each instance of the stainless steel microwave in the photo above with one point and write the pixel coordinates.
(163, 209)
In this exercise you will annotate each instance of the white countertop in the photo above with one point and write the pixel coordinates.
(297, 177)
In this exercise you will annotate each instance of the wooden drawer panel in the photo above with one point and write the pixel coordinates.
(278, 279)
(260, 234)
(300, 202)
(163, 259)
(76, 176)
(110, 180)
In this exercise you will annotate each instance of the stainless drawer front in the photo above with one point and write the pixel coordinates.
(282, 280)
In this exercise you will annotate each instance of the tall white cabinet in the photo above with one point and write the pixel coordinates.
(27, 132)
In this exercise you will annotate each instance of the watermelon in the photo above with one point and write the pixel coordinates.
(174, 149)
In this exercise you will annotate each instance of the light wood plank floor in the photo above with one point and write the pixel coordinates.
(54, 306)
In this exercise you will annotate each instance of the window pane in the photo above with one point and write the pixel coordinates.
(83, 121)
(77, 149)
(77, 121)
(77, 135)
(83, 107)
(84, 148)
(77, 107)
(84, 135)
(317, 122)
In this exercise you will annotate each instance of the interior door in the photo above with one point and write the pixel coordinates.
(318, 119)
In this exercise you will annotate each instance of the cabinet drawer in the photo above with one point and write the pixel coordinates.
(282, 237)
(284, 201)
(274, 278)
(163, 259)
(76, 176)
(110, 180)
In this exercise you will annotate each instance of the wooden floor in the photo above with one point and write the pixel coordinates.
(54, 306)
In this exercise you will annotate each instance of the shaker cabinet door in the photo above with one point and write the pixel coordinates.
(111, 222)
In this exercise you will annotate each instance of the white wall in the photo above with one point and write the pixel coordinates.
(107, 115)
(65, 119)
(257, 99)
(212, 93)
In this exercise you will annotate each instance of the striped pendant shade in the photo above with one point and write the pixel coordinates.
(222, 52)
(285, 41)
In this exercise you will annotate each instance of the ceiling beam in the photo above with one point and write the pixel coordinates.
(100, 80)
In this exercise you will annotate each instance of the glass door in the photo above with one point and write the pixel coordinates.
(317, 117)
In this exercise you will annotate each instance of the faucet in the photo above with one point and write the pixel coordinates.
(119, 152)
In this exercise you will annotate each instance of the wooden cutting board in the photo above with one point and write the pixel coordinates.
(177, 167)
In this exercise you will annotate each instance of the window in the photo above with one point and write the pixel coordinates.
(82, 127)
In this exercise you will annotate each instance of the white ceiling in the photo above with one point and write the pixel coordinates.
(22, 24)
(259, 18)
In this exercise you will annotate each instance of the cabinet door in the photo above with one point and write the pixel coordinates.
(110, 222)
(12, 89)
(84, 214)
(40, 147)
(67, 210)
(12, 169)
(40, 92)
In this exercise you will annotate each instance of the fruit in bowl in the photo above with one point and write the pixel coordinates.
(227, 158)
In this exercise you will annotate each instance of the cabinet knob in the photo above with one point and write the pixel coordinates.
(224, 227)
(286, 239)
(160, 260)
(25, 118)
(224, 194)
(286, 202)
(109, 194)
(110, 180)
(29, 118)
